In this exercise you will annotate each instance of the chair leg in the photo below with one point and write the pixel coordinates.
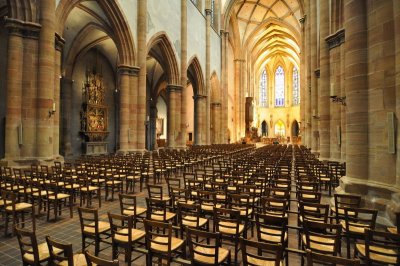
(97, 246)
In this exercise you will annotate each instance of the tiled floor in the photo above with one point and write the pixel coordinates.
(68, 230)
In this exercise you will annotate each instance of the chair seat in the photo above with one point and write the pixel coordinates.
(89, 188)
(312, 219)
(102, 227)
(210, 207)
(41, 193)
(391, 258)
(72, 186)
(222, 255)
(19, 206)
(131, 211)
(158, 216)
(28, 190)
(261, 262)
(98, 181)
(354, 227)
(392, 230)
(135, 235)
(230, 228)
(44, 253)
(272, 235)
(114, 182)
(192, 221)
(133, 177)
(175, 243)
(79, 260)
(59, 196)
(316, 243)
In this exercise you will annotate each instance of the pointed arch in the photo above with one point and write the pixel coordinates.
(168, 57)
(215, 88)
(196, 76)
(120, 30)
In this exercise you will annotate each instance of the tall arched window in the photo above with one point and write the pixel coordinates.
(212, 13)
(279, 87)
(296, 91)
(263, 89)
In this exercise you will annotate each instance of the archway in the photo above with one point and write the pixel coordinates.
(279, 129)
(264, 129)
(295, 128)
(162, 80)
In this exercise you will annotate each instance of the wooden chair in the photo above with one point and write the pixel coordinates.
(356, 221)
(16, 211)
(114, 183)
(93, 228)
(66, 256)
(157, 210)
(207, 250)
(32, 253)
(93, 260)
(124, 235)
(227, 222)
(128, 206)
(395, 230)
(379, 248)
(242, 203)
(315, 258)
(55, 199)
(160, 243)
(189, 216)
(344, 201)
(257, 253)
(88, 191)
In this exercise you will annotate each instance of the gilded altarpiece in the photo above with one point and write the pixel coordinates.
(94, 115)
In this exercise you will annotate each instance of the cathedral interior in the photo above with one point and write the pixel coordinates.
(138, 93)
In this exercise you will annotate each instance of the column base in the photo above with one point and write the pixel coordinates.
(27, 162)
(380, 196)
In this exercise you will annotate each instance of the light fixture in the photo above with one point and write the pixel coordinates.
(53, 110)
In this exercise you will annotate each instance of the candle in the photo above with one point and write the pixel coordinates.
(54, 107)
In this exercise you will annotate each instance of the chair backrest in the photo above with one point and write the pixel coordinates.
(56, 257)
(9, 199)
(360, 217)
(156, 209)
(309, 196)
(271, 228)
(155, 192)
(314, 212)
(89, 220)
(189, 214)
(158, 236)
(271, 253)
(346, 201)
(28, 246)
(315, 258)
(128, 204)
(227, 220)
(121, 227)
(93, 260)
(201, 251)
(241, 202)
(274, 206)
(322, 237)
(382, 247)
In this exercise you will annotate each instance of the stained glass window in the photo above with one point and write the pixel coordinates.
(296, 91)
(279, 87)
(263, 89)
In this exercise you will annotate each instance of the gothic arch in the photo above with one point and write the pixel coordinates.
(167, 58)
(215, 88)
(196, 73)
(122, 36)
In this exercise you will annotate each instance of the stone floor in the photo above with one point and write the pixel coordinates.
(68, 230)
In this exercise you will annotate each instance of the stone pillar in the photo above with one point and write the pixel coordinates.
(30, 68)
(133, 98)
(45, 92)
(224, 88)
(199, 119)
(307, 90)
(59, 45)
(356, 84)
(237, 100)
(66, 90)
(324, 83)
(216, 123)
(124, 111)
(141, 59)
(303, 80)
(182, 140)
(396, 14)
(174, 107)
(14, 90)
(208, 70)
(314, 80)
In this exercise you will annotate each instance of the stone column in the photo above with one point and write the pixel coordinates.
(356, 84)
(28, 148)
(237, 100)
(133, 98)
(314, 80)
(307, 90)
(45, 95)
(396, 15)
(174, 107)
(224, 88)
(124, 112)
(208, 69)
(216, 123)
(59, 45)
(303, 80)
(324, 83)
(199, 119)
(66, 90)
(14, 90)
(182, 140)
(142, 53)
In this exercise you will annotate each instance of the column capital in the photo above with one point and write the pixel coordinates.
(303, 19)
(59, 42)
(174, 88)
(216, 105)
(128, 70)
(208, 11)
(336, 39)
(317, 72)
(199, 97)
(23, 29)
